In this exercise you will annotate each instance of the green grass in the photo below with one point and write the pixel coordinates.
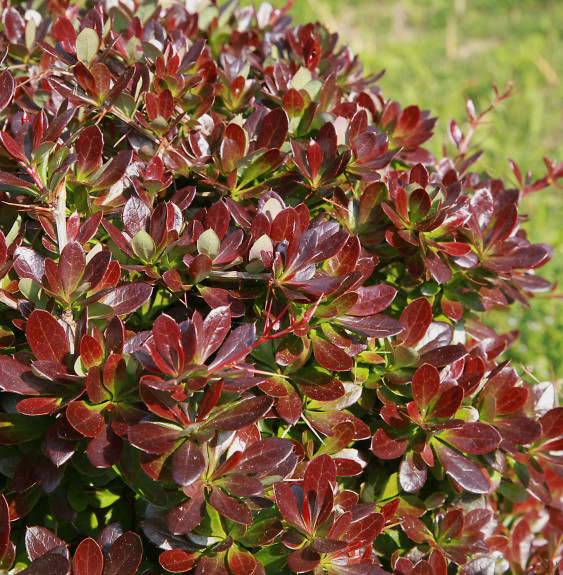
(438, 52)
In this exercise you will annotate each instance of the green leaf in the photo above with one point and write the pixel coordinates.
(301, 78)
(143, 245)
(17, 428)
(208, 243)
(87, 45)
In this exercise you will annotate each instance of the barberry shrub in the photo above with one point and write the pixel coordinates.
(241, 310)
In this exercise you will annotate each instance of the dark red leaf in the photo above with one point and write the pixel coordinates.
(511, 400)
(448, 404)
(89, 147)
(474, 437)
(125, 555)
(88, 558)
(462, 469)
(264, 455)
(373, 325)
(52, 563)
(153, 438)
(39, 541)
(29, 264)
(46, 337)
(445, 355)
(114, 171)
(128, 298)
(318, 484)
(412, 472)
(236, 347)
(215, 328)
(7, 89)
(188, 515)
(187, 464)
(105, 449)
(168, 339)
(230, 507)
(243, 413)
(304, 559)
(273, 129)
(318, 384)
(71, 266)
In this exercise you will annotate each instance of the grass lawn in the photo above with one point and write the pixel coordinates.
(438, 52)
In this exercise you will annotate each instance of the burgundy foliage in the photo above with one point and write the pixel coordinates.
(238, 329)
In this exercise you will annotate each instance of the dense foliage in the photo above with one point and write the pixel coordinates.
(238, 311)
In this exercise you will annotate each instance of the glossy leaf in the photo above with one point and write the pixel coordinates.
(47, 337)
(124, 556)
(88, 558)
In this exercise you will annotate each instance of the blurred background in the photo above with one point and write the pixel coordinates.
(438, 52)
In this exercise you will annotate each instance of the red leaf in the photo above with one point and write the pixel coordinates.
(304, 559)
(124, 555)
(474, 437)
(7, 89)
(373, 299)
(168, 339)
(284, 225)
(318, 484)
(153, 438)
(186, 516)
(39, 541)
(511, 400)
(386, 447)
(451, 525)
(416, 318)
(273, 130)
(89, 147)
(128, 298)
(114, 171)
(241, 562)
(230, 507)
(177, 560)
(91, 351)
(71, 266)
(66, 35)
(240, 415)
(293, 102)
(373, 325)
(425, 385)
(105, 449)
(448, 404)
(288, 506)
(552, 424)
(460, 468)
(84, 418)
(330, 356)
(412, 472)
(46, 336)
(88, 558)
(264, 455)
(187, 464)
(215, 328)
(314, 159)
(52, 563)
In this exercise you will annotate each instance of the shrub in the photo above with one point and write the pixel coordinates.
(239, 319)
